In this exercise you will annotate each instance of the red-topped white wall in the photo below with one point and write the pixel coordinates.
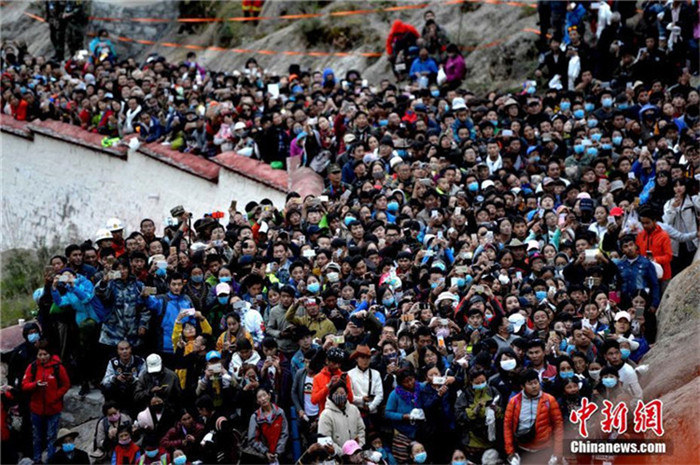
(60, 185)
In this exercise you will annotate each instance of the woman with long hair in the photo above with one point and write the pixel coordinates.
(681, 215)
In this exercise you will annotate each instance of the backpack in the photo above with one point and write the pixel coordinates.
(56, 372)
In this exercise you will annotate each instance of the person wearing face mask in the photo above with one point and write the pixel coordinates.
(179, 458)
(471, 410)
(126, 451)
(418, 453)
(153, 454)
(23, 354)
(155, 419)
(610, 387)
(506, 381)
(106, 430)
(341, 420)
(66, 452)
(198, 291)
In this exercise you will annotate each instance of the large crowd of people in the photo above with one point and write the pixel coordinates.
(476, 266)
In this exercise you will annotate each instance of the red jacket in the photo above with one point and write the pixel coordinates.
(126, 454)
(47, 400)
(660, 245)
(319, 392)
(548, 424)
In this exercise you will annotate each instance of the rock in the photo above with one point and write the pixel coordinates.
(78, 410)
(674, 367)
(86, 435)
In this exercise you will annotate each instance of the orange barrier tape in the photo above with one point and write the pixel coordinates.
(301, 15)
(214, 48)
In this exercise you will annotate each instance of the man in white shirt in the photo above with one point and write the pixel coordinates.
(366, 382)
(493, 156)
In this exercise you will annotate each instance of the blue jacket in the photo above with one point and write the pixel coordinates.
(637, 275)
(79, 296)
(396, 408)
(438, 411)
(419, 66)
(170, 306)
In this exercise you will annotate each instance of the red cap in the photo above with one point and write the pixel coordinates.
(617, 211)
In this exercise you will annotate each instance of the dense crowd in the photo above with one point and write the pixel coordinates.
(475, 267)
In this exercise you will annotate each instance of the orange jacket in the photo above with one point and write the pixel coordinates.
(319, 392)
(660, 245)
(548, 424)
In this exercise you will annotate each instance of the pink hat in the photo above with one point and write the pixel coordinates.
(583, 195)
(350, 447)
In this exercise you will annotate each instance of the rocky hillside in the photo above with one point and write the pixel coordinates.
(498, 47)
(674, 367)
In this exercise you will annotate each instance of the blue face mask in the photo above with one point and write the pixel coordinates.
(596, 137)
(617, 140)
(435, 93)
(479, 386)
(33, 337)
(625, 353)
(313, 288)
(68, 447)
(392, 206)
(531, 90)
(592, 123)
(223, 300)
(197, 278)
(606, 146)
(419, 458)
(494, 122)
(161, 272)
(225, 279)
(459, 462)
(181, 460)
(565, 106)
(623, 106)
(383, 122)
(566, 374)
(578, 148)
(473, 186)
(541, 295)
(348, 220)
(607, 102)
(578, 114)
(592, 151)
(610, 382)
(588, 106)
(151, 453)
(389, 302)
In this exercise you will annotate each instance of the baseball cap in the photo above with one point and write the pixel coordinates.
(350, 447)
(623, 314)
(223, 288)
(518, 321)
(154, 363)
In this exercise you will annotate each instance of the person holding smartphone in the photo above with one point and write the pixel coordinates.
(45, 382)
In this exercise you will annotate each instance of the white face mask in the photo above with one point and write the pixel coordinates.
(595, 374)
(508, 365)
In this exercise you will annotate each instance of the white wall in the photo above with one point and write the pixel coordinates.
(54, 192)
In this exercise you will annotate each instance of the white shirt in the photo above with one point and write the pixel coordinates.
(361, 388)
(310, 408)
